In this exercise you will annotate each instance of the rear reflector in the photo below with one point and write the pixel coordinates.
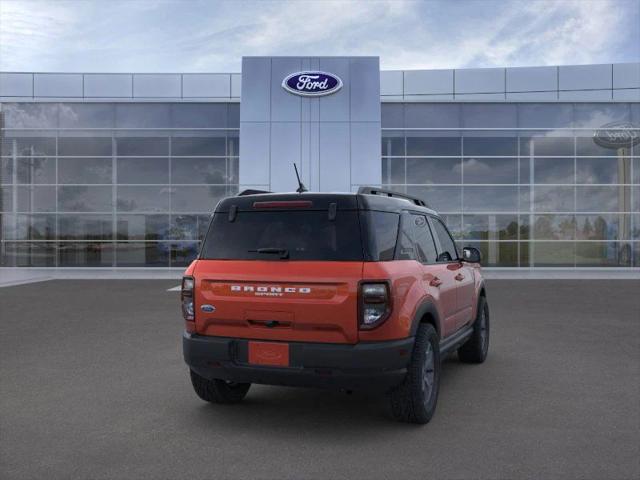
(284, 204)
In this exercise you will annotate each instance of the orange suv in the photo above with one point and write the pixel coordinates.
(361, 291)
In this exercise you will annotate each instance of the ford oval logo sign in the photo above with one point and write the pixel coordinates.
(312, 84)
(617, 135)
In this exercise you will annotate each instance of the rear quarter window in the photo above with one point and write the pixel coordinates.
(382, 234)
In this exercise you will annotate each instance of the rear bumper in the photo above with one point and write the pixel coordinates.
(377, 366)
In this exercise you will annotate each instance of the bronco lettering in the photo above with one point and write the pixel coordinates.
(269, 289)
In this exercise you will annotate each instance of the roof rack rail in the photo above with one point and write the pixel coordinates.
(392, 194)
(250, 191)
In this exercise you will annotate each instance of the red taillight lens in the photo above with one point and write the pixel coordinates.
(186, 296)
(375, 304)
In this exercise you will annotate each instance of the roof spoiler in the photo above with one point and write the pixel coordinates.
(392, 194)
(251, 191)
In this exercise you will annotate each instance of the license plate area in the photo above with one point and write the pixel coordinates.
(269, 354)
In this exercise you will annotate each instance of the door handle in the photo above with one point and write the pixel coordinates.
(435, 282)
(459, 277)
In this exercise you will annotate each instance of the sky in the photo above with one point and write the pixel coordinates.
(212, 36)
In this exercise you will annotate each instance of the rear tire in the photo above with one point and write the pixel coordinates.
(218, 391)
(476, 348)
(414, 401)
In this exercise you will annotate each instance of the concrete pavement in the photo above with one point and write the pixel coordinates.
(93, 386)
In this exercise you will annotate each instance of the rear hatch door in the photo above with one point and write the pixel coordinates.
(284, 268)
(271, 300)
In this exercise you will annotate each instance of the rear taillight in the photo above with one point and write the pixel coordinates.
(375, 304)
(187, 298)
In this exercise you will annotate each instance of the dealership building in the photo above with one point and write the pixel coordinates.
(538, 167)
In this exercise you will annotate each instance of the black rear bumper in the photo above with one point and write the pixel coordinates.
(377, 366)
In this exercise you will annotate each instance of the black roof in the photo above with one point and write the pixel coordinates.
(321, 201)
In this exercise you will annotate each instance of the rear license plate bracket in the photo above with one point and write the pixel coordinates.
(272, 354)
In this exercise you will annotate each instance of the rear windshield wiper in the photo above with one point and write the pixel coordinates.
(283, 252)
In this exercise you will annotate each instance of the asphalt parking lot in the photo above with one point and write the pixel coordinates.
(93, 386)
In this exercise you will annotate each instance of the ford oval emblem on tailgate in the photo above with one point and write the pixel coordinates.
(208, 308)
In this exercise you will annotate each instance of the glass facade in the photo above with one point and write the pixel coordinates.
(113, 184)
(525, 183)
(119, 184)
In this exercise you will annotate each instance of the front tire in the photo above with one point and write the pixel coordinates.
(218, 391)
(476, 348)
(415, 400)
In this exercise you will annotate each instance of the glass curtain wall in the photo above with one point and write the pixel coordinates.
(525, 183)
(106, 184)
(133, 184)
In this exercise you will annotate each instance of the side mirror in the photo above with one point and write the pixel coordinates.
(471, 255)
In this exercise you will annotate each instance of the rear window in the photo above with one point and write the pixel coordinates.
(296, 235)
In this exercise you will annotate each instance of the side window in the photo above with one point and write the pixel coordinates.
(406, 239)
(447, 251)
(424, 240)
(382, 234)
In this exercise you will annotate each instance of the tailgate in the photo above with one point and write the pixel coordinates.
(305, 301)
